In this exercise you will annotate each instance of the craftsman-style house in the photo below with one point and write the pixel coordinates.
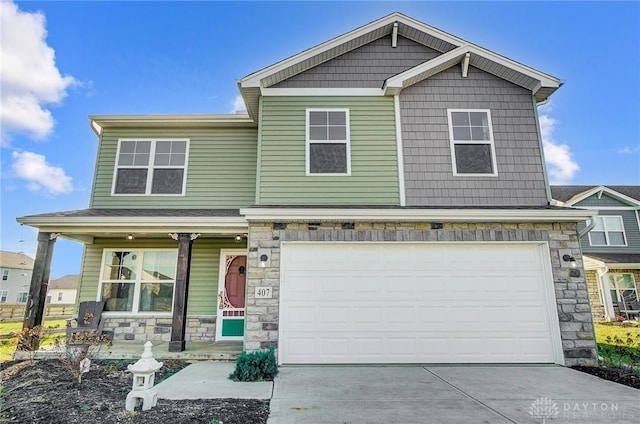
(383, 200)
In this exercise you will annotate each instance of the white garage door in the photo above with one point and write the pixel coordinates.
(417, 303)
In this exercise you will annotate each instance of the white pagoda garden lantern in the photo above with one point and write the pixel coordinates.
(144, 375)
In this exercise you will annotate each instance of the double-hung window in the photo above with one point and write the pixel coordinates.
(138, 281)
(328, 142)
(5, 274)
(22, 297)
(623, 288)
(151, 167)
(3, 295)
(609, 231)
(472, 147)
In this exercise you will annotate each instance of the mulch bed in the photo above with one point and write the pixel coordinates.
(612, 374)
(44, 392)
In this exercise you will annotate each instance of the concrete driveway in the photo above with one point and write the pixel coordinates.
(448, 394)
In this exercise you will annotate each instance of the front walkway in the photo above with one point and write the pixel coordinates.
(196, 351)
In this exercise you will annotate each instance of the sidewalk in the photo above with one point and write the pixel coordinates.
(210, 380)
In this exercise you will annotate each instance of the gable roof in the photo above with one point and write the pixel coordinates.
(65, 282)
(15, 260)
(569, 195)
(542, 85)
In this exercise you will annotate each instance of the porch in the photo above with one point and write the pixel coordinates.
(128, 350)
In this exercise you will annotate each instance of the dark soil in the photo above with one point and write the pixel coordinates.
(612, 374)
(44, 392)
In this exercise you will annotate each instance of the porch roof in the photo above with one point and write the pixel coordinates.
(85, 224)
(616, 260)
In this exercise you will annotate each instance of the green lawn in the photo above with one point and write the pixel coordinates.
(602, 331)
(7, 346)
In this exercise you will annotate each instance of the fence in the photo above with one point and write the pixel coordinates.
(15, 311)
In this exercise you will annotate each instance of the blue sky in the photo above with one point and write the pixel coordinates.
(62, 61)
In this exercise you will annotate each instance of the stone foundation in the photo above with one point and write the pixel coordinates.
(574, 312)
(142, 329)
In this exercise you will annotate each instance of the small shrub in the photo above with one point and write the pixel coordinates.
(255, 366)
(76, 356)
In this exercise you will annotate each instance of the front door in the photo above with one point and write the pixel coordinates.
(231, 295)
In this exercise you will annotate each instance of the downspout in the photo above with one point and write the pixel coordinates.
(541, 146)
(589, 227)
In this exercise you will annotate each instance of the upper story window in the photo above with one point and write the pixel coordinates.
(22, 297)
(5, 274)
(609, 231)
(472, 148)
(151, 167)
(3, 295)
(328, 142)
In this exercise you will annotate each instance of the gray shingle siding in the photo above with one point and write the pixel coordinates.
(604, 200)
(429, 179)
(365, 67)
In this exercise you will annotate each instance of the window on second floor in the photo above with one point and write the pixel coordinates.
(328, 142)
(22, 297)
(472, 148)
(5, 274)
(151, 167)
(60, 296)
(3, 295)
(609, 231)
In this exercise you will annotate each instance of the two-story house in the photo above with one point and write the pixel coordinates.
(384, 200)
(611, 248)
(16, 269)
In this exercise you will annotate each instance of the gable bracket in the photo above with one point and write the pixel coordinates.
(394, 35)
(465, 64)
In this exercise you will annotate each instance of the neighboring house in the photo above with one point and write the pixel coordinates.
(16, 269)
(63, 290)
(383, 200)
(612, 248)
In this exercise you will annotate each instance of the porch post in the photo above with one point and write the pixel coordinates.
(185, 243)
(34, 310)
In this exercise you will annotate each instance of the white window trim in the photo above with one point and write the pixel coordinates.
(606, 232)
(150, 167)
(308, 142)
(453, 142)
(4, 294)
(26, 296)
(138, 283)
(5, 274)
(633, 279)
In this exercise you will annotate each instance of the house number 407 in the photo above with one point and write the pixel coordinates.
(264, 292)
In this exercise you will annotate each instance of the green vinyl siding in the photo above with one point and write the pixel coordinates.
(221, 169)
(374, 162)
(203, 281)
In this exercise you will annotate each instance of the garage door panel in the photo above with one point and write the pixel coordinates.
(412, 303)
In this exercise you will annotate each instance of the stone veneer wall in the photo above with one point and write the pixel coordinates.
(597, 308)
(574, 312)
(142, 329)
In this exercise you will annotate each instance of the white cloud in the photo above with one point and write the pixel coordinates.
(40, 175)
(560, 164)
(629, 150)
(29, 77)
(237, 105)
